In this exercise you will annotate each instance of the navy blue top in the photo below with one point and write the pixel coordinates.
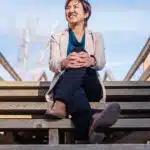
(73, 42)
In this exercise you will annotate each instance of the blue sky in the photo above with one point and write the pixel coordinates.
(125, 26)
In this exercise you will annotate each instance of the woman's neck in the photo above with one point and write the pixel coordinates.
(78, 29)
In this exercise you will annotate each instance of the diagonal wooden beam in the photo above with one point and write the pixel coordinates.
(142, 56)
(145, 75)
(9, 68)
(146, 64)
(1, 79)
(43, 76)
(110, 75)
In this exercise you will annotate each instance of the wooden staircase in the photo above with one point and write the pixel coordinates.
(22, 107)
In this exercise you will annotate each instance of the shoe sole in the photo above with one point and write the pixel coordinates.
(54, 116)
(107, 117)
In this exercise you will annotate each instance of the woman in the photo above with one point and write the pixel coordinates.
(76, 56)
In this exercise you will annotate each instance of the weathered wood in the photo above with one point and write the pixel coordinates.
(109, 75)
(53, 137)
(15, 116)
(41, 92)
(134, 137)
(19, 124)
(142, 56)
(42, 106)
(78, 147)
(35, 91)
(145, 75)
(23, 84)
(9, 68)
(1, 79)
(38, 85)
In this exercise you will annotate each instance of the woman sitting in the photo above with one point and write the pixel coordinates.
(76, 55)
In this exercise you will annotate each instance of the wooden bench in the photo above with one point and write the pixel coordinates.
(22, 107)
(77, 147)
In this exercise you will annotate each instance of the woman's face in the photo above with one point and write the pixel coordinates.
(75, 12)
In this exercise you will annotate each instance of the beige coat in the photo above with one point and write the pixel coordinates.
(94, 45)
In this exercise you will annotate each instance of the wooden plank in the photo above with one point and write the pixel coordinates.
(42, 106)
(78, 147)
(19, 92)
(128, 92)
(18, 124)
(15, 116)
(41, 92)
(53, 137)
(37, 85)
(1, 79)
(24, 84)
(132, 123)
(132, 137)
(9, 68)
(142, 56)
(145, 75)
(127, 84)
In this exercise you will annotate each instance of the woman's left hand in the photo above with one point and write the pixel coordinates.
(86, 60)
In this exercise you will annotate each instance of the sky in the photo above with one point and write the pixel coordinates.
(125, 27)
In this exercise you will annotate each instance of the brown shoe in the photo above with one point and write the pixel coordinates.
(50, 113)
(58, 111)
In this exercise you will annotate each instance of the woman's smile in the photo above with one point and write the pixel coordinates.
(72, 15)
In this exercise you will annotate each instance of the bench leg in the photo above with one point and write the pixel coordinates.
(69, 138)
(53, 137)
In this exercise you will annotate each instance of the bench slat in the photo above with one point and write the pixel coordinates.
(18, 124)
(41, 92)
(16, 117)
(108, 84)
(78, 147)
(40, 106)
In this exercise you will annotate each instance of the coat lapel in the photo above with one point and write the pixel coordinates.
(64, 43)
(89, 42)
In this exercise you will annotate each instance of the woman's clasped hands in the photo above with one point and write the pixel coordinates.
(78, 60)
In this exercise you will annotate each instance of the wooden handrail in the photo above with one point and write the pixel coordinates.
(145, 75)
(9, 68)
(142, 56)
(1, 79)
(110, 75)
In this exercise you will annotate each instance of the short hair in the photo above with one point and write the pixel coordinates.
(86, 6)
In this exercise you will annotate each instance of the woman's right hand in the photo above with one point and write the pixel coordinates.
(72, 61)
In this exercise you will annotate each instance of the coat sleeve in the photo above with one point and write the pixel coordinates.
(55, 57)
(99, 52)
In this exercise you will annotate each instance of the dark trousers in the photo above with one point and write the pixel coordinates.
(75, 88)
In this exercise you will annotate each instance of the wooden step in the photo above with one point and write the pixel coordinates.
(35, 91)
(18, 124)
(42, 106)
(77, 147)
